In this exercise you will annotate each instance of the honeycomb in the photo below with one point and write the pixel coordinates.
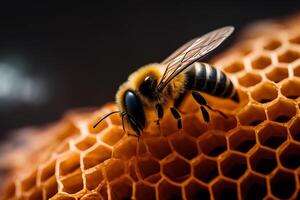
(252, 154)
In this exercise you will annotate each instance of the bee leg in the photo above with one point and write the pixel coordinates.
(201, 100)
(135, 127)
(134, 135)
(180, 99)
(177, 116)
(218, 111)
(123, 115)
(137, 134)
(160, 114)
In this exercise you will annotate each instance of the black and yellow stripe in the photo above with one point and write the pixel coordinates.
(203, 77)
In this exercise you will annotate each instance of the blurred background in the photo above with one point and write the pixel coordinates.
(54, 57)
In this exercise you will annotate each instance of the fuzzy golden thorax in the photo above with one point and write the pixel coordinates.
(170, 93)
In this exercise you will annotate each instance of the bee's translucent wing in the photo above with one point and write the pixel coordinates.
(191, 52)
(179, 51)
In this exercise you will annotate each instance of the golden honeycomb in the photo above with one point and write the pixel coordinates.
(252, 154)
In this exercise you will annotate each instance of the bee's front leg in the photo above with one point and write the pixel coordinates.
(160, 112)
(177, 116)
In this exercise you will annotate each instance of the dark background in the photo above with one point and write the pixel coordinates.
(57, 57)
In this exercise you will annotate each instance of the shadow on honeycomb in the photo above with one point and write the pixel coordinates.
(254, 154)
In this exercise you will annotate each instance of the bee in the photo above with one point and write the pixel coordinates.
(152, 86)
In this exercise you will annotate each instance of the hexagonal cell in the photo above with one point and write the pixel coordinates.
(253, 187)
(224, 189)
(47, 170)
(193, 190)
(132, 169)
(176, 169)
(277, 74)
(205, 169)
(72, 183)
(66, 130)
(35, 194)
(161, 142)
(288, 56)
(85, 143)
(263, 161)
(94, 178)
(114, 169)
(63, 147)
(261, 62)
(222, 123)
(96, 156)
(112, 136)
(184, 145)
(249, 79)
(242, 140)
(291, 89)
(142, 149)
(233, 165)
(194, 125)
(167, 190)
(213, 143)
(65, 196)
(265, 93)
(295, 129)
(144, 192)
(29, 182)
(290, 156)
(283, 184)
(245, 50)
(126, 149)
(272, 44)
(103, 190)
(282, 111)
(147, 167)
(69, 164)
(234, 67)
(99, 128)
(297, 71)
(272, 135)
(9, 191)
(115, 120)
(91, 196)
(50, 187)
(252, 115)
(295, 40)
(121, 189)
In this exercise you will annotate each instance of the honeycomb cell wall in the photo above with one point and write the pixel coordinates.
(252, 154)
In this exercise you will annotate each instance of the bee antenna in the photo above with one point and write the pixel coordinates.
(123, 115)
(107, 115)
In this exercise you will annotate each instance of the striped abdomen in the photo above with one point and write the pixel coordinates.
(205, 78)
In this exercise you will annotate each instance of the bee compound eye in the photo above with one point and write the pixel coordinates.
(135, 109)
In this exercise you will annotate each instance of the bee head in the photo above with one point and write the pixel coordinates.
(134, 110)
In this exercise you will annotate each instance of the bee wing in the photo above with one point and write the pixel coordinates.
(190, 52)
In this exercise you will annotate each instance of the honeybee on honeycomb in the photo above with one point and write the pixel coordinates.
(252, 155)
(152, 86)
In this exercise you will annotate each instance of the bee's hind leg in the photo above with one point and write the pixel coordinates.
(177, 116)
(201, 100)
